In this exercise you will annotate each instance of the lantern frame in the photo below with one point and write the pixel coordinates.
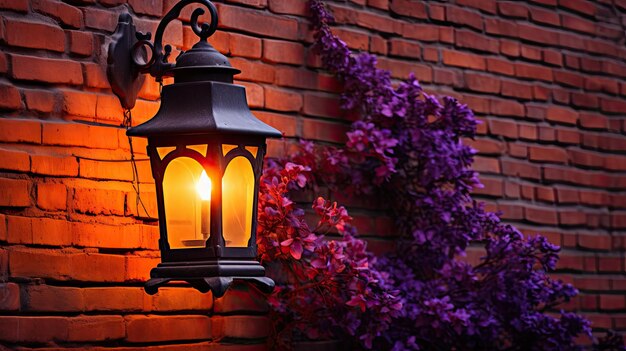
(202, 107)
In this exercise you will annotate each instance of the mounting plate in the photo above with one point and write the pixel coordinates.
(123, 74)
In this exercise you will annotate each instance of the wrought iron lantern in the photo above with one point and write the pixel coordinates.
(206, 152)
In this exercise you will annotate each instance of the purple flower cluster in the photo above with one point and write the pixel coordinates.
(409, 144)
(426, 295)
(325, 288)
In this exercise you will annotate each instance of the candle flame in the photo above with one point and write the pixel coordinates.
(204, 186)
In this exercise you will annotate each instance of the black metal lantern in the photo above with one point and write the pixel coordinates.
(206, 151)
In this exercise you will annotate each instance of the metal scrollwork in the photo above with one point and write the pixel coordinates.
(161, 53)
(131, 52)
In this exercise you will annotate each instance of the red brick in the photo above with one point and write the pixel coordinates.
(464, 17)
(612, 302)
(513, 9)
(582, 6)
(471, 40)
(521, 169)
(569, 79)
(523, 70)
(517, 90)
(572, 218)
(39, 100)
(66, 299)
(244, 46)
(252, 21)
(548, 154)
(541, 93)
(3, 229)
(276, 51)
(14, 193)
(167, 328)
(598, 242)
(545, 16)
(585, 100)
(553, 57)
(46, 70)
(487, 164)
(25, 329)
(544, 193)
(67, 14)
(502, 28)
(537, 112)
(53, 165)
(568, 136)
(527, 131)
(378, 45)
(530, 53)
(282, 99)
(420, 32)
(401, 69)
(542, 215)
(577, 24)
(34, 35)
(593, 121)
(503, 127)
(10, 97)
(482, 83)
(609, 264)
(377, 22)
(20, 130)
(95, 76)
(294, 7)
(538, 34)
(601, 84)
(247, 327)
(506, 108)
(14, 160)
(561, 115)
(404, 48)
(177, 299)
(253, 70)
(15, 5)
(81, 43)
(9, 297)
(99, 201)
(500, 66)
(585, 158)
(96, 328)
(459, 59)
(79, 134)
(323, 131)
(115, 299)
(408, 8)
(613, 106)
(486, 146)
(488, 6)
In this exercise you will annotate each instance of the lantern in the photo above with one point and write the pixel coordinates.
(206, 152)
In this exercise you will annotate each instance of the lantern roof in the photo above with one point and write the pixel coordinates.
(207, 107)
(203, 98)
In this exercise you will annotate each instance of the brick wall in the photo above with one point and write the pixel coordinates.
(545, 76)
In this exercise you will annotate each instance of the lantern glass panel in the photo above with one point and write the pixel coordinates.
(163, 151)
(227, 147)
(187, 200)
(199, 148)
(237, 202)
(253, 150)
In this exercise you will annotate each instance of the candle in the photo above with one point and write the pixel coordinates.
(204, 190)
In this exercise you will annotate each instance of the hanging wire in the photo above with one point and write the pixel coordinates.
(127, 123)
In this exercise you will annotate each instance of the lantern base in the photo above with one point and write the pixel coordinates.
(215, 276)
